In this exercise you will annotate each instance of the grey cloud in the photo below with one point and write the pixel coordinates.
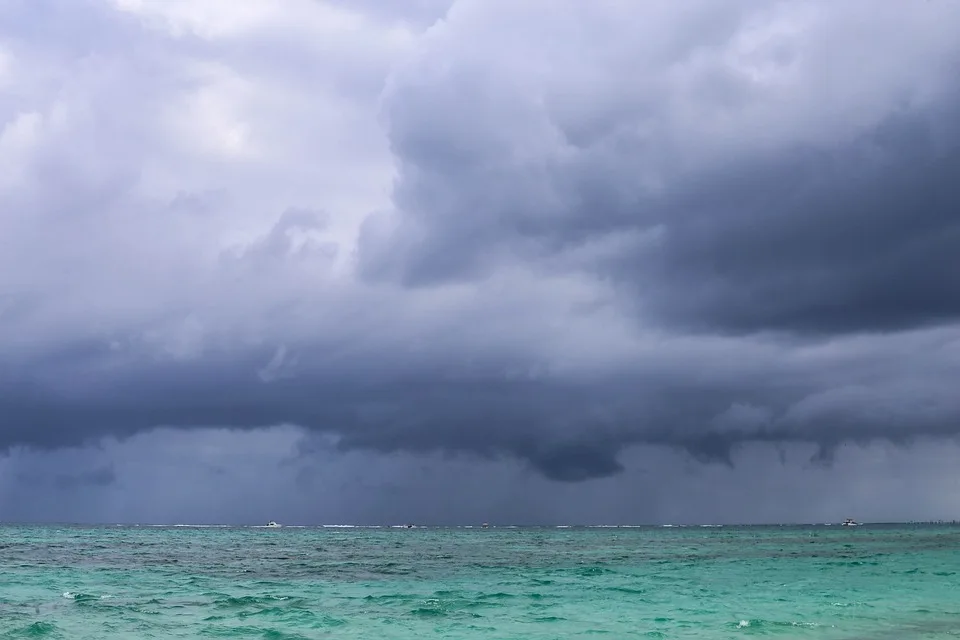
(825, 257)
(101, 477)
(567, 428)
(98, 477)
(613, 227)
(167, 477)
(421, 13)
(840, 218)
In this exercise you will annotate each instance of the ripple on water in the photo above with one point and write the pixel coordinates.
(36, 630)
(267, 633)
(469, 585)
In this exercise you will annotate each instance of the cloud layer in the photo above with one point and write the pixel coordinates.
(547, 234)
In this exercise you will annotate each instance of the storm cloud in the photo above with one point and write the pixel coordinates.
(545, 234)
(752, 167)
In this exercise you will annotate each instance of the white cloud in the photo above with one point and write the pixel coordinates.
(17, 139)
(210, 119)
(6, 65)
(218, 19)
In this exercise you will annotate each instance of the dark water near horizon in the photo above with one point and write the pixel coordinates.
(874, 581)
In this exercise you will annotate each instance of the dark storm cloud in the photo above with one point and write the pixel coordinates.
(613, 226)
(568, 428)
(822, 242)
(852, 231)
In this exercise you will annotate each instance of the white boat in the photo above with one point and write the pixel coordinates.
(849, 522)
(273, 525)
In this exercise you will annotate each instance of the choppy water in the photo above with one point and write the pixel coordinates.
(179, 582)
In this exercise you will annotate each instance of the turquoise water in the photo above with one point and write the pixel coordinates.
(723, 582)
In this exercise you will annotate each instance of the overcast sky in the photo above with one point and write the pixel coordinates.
(453, 261)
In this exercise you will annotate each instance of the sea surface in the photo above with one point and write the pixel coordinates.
(872, 581)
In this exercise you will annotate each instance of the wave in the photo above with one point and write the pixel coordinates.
(36, 630)
(83, 597)
(755, 623)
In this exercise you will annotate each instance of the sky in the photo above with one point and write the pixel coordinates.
(456, 261)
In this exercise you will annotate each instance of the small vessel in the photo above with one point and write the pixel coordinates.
(273, 525)
(849, 522)
(485, 525)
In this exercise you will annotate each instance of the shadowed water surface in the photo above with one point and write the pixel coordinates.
(683, 582)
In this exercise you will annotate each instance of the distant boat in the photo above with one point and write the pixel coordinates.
(485, 525)
(273, 525)
(849, 522)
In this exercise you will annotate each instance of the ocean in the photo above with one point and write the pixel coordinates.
(872, 581)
